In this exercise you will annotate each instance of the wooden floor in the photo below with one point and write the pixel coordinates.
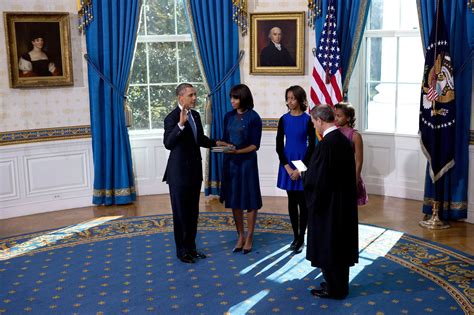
(394, 213)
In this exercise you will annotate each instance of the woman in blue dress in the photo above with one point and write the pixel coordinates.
(295, 141)
(240, 188)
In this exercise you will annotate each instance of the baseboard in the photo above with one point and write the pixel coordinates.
(393, 191)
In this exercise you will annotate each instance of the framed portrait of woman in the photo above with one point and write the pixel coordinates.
(38, 49)
(277, 43)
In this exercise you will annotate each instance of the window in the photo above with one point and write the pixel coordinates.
(164, 57)
(394, 67)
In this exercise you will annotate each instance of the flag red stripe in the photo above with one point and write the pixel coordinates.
(322, 86)
(336, 88)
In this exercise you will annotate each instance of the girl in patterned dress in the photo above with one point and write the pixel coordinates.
(345, 119)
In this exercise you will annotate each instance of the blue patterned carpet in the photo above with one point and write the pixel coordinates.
(129, 266)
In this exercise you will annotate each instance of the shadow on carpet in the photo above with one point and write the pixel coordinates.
(129, 266)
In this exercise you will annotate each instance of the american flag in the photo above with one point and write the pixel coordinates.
(326, 87)
(432, 94)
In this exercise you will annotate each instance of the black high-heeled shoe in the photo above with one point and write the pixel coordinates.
(246, 251)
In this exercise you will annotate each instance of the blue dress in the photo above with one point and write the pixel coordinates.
(297, 132)
(240, 187)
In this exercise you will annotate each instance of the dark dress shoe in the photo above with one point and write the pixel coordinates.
(197, 254)
(293, 244)
(237, 249)
(187, 259)
(298, 247)
(322, 293)
(246, 251)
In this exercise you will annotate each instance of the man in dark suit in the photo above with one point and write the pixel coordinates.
(275, 54)
(331, 198)
(184, 135)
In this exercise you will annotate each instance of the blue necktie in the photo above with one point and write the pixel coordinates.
(193, 125)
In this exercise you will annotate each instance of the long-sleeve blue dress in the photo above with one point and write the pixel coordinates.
(240, 187)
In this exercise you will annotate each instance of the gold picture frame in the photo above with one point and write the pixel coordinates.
(287, 56)
(38, 49)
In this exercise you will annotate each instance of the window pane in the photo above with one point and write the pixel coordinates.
(384, 15)
(409, 18)
(411, 60)
(162, 62)
(188, 66)
(138, 100)
(408, 108)
(181, 18)
(382, 59)
(381, 107)
(160, 17)
(139, 65)
(141, 26)
(163, 100)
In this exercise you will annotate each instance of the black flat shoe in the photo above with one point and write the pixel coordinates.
(246, 251)
(237, 249)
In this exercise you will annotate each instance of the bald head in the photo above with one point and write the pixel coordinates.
(275, 34)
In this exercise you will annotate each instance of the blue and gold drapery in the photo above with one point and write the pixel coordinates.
(351, 19)
(216, 41)
(451, 189)
(111, 40)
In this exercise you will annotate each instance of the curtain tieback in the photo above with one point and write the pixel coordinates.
(103, 77)
(228, 74)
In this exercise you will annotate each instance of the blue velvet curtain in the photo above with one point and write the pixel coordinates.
(216, 40)
(451, 189)
(110, 44)
(351, 19)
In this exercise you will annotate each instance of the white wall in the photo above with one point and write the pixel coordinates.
(25, 109)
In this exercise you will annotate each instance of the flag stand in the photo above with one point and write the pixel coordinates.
(435, 223)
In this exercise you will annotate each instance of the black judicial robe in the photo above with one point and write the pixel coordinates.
(331, 197)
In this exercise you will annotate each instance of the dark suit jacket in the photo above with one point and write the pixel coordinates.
(331, 198)
(271, 56)
(184, 163)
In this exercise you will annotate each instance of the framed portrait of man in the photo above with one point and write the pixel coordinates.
(277, 43)
(38, 49)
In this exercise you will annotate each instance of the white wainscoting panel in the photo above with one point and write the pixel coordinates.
(150, 157)
(140, 163)
(9, 179)
(393, 165)
(60, 172)
(45, 176)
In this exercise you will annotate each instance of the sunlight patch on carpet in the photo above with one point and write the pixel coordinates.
(52, 237)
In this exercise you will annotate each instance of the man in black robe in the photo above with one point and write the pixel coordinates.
(331, 198)
(275, 54)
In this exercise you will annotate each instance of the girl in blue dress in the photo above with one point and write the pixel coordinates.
(295, 141)
(240, 189)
